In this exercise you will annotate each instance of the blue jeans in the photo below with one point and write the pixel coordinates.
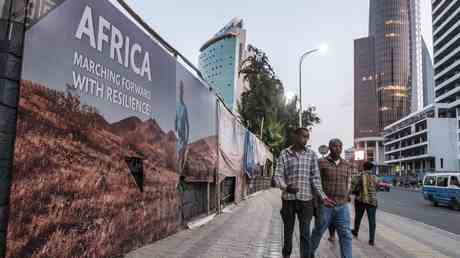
(339, 216)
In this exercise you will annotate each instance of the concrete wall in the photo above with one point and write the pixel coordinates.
(443, 142)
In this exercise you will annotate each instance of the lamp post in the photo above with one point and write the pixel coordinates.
(322, 48)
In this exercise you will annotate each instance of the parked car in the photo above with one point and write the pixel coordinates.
(383, 186)
(442, 188)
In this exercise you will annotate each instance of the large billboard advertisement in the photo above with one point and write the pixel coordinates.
(196, 124)
(95, 156)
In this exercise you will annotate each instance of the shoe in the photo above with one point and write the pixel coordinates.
(331, 239)
(354, 233)
(371, 243)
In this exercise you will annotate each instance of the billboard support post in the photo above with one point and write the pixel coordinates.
(11, 52)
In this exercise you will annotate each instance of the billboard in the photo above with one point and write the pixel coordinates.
(196, 126)
(95, 156)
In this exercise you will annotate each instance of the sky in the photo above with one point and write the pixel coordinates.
(284, 30)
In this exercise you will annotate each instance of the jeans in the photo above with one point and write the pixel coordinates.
(339, 216)
(304, 211)
(359, 213)
(317, 216)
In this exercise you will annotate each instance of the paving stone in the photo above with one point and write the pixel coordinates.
(254, 229)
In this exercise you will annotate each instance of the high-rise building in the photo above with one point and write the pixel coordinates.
(395, 27)
(416, 56)
(365, 94)
(220, 59)
(367, 132)
(428, 76)
(446, 45)
(388, 72)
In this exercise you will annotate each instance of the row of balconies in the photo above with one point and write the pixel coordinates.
(409, 153)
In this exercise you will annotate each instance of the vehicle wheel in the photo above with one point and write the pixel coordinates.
(455, 205)
(435, 204)
(388, 189)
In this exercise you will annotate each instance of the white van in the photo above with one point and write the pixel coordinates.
(442, 188)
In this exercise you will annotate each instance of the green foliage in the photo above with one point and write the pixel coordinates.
(265, 101)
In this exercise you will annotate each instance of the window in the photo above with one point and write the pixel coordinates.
(454, 181)
(429, 180)
(442, 163)
(441, 181)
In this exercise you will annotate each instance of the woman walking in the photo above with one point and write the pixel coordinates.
(365, 190)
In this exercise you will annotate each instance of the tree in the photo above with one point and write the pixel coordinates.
(265, 101)
(273, 135)
(266, 93)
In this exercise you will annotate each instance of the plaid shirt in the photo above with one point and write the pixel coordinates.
(336, 179)
(301, 170)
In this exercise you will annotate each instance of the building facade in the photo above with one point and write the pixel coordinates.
(389, 62)
(365, 94)
(220, 59)
(395, 27)
(428, 76)
(446, 45)
(367, 138)
(416, 55)
(422, 142)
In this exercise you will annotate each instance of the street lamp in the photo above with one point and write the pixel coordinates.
(321, 49)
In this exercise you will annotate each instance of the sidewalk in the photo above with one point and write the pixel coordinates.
(254, 229)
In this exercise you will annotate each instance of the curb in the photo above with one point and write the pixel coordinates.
(200, 222)
(228, 209)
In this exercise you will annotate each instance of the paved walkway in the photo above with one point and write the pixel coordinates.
(254, 229)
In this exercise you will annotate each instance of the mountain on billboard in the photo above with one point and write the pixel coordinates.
(72, 191)
(201, 160)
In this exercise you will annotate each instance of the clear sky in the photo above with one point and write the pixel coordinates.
(283, 29)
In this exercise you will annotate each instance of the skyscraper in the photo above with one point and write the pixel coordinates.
(395, 27)
(428, 76)
(365, 100)
(416, 55)
(220, 59)
(389, 63)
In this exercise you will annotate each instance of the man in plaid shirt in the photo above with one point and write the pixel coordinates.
(297, 175)
(336, 180)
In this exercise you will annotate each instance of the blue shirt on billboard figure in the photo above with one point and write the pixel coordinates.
(182, 129)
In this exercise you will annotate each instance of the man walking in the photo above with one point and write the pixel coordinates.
(336, 180)
(297, 175)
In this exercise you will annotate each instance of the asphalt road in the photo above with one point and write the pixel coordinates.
(412, 205)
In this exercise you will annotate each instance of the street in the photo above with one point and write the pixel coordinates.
(412, 205)
(254, 229)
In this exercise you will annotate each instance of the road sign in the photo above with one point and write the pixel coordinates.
(323, 149)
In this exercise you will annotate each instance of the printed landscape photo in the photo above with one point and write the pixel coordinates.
(73, 194)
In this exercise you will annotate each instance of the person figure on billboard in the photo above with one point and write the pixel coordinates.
(297, 174)
(182, 129)
(336, 179)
